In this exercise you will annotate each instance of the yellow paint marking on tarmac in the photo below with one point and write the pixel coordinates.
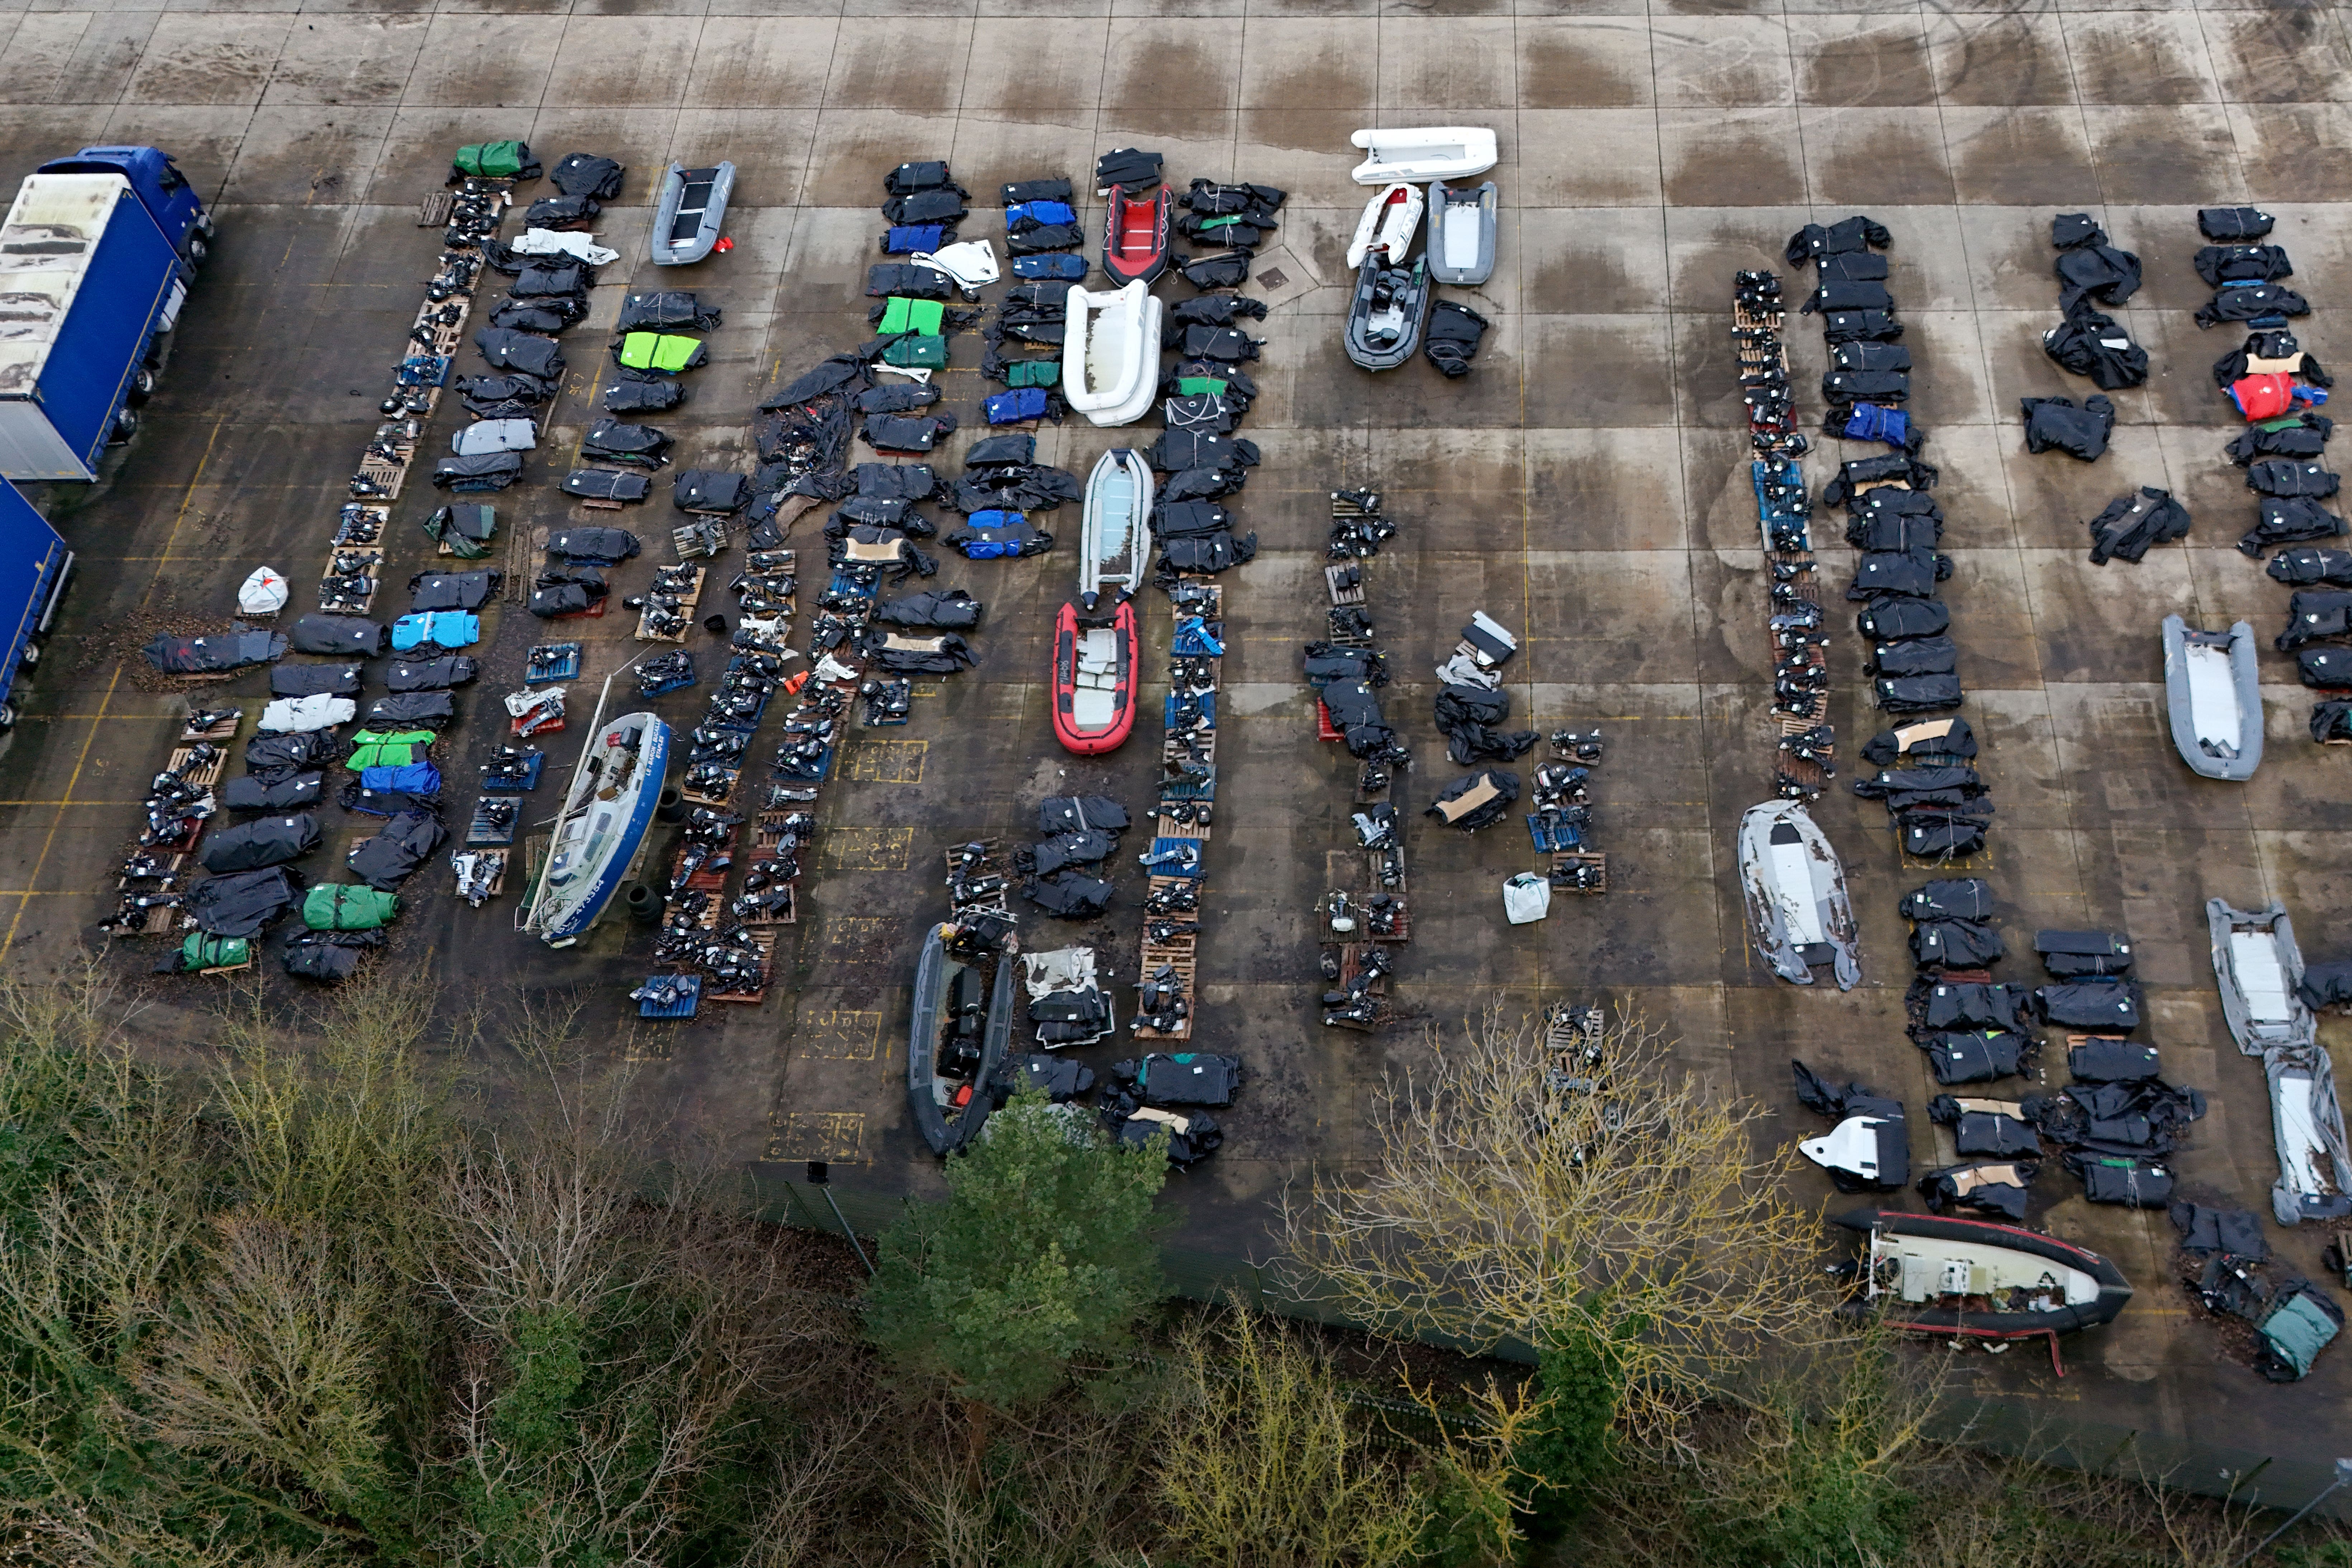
(49, 839)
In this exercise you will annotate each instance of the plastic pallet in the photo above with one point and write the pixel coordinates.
(1552, 837)
(482, 833)
(561, 663)
(531, 781)
(1324, 729)
(1165, 845)
(684, 1008)
(1207, 702)
(1192, 639)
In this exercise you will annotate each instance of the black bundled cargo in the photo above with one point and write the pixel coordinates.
(315, 680)
(656, 310)
(1975, 1056)
(2091, 1005)
(641, 396)
(587, 174)
(616, 441)
(328, 956)
(2057, 423)
(254, 793)
(407, 710)
(432, 674)
(710, 490)
(264, 842)
(210, 655)
(606, 484)
(348, 637)
(566, 591)
(243, 902)
(480, 475)
(1478, 800)
(277, 756)
(2000, 1128)
(507, 349)
(593, 546)
(402, 845)
(1069, 895)
(452, 590)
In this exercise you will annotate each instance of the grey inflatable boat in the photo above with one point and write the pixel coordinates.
(2258, 968)
(1385, 318)
(1798, 913)
(1462, 234)
(693, 207)
(2212, 688)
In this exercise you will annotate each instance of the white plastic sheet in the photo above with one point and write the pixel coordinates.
(263, 593)
(551, 242)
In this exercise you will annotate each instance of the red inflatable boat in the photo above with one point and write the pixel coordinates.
(1135, 235)
(1094, 679)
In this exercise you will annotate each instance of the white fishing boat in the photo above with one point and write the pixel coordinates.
(1798, 913)
(1462, 223)
(1389, 221)
(1423, 152)
(1117, 531)
(603, 827)
(1110, 352)
(2213, 692)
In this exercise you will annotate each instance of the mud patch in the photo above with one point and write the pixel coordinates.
(2026, 159)
(1722, 167)
(1561, 72)
(1881, 67)
(1887, 167)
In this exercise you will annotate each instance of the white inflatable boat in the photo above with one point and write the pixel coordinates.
(1117, 541)
(2259, 969)
(1110, 352)
(1391, 219)
(1462, 234)
(2213, 692)
(1423, 152)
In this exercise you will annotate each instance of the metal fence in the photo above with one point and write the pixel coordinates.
(2066, 1442)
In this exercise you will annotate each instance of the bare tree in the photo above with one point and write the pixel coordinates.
(1516, 1190)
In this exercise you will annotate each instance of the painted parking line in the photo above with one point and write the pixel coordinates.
(837, 1137)
(49, 839)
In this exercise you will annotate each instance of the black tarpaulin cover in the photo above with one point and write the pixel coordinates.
(243, 902)
(208, 655)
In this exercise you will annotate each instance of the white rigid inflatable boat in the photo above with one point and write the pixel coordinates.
(1423, 152)
(1110, 352)
(2259, 969)
(1391, 220)
(1117, 539)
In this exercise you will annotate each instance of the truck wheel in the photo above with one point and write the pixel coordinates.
(142, 387)
(126, 424)
(30, 657)
(7, 717)
(204, 225)
(197, 251)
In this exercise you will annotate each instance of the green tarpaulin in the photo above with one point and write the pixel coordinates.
(343, 906)
(201, 951)
(1200, 386)
(2298, 1331)
(491, 160)
(1034, 373)
(917, 354)
(387, 749)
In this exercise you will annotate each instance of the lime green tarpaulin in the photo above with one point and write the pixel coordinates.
(1199, 385)
(344, 907)
(900, 315)
(387, 749)
(664, 351)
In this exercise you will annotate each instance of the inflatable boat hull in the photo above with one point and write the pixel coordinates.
(1423, 152)
(692, 210)
(1110, 354)
(1117, 541)
(1135, 234)
(1389, 221)
(1462, 234)
(1402, 320)
(1798, 911)
(2011, 1283)
(2213, 694)
(933, 972)
(1094, 679)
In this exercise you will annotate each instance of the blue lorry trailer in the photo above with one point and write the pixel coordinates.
(34, 566)
(97, 253)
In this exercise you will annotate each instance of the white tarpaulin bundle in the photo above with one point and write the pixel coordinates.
(551, 242)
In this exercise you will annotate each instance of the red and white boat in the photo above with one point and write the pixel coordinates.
(1135, 235)
(1093, 678)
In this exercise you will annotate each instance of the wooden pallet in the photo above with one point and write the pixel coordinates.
(687, 603)
(1181, 960)
(789, 915)
(1169, 827)
(1368, 796)
(1363, 933)
(224, 730)
(766, 941)
(386, 478)
(699, 798)
(151, 922)
(432, 212)
(1333, 576)
(1570, 860)
(204, 777)
(1352, 968)
(498, 875)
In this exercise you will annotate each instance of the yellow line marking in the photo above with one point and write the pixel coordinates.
(187, 500)
(81, 761)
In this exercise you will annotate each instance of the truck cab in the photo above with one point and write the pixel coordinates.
(162, 189)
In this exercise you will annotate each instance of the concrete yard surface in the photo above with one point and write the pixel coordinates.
(1586, 486)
